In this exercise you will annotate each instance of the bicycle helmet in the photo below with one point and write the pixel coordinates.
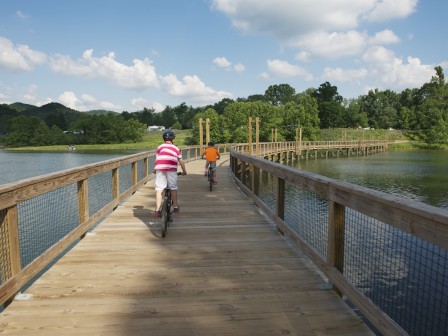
(168, 136)
(211, 143)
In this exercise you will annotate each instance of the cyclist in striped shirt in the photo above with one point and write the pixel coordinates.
(168, 156)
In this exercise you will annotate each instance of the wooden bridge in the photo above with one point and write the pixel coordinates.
(223, 269)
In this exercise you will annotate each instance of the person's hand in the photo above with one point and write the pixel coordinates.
(184, 172)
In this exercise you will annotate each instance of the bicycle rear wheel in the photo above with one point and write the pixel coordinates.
(164, 216)
(210, 179)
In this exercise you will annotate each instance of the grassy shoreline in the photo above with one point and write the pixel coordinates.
(150, 141)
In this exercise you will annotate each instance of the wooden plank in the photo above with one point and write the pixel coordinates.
(223, 269)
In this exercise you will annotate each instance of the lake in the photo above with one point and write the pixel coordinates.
(15, 166)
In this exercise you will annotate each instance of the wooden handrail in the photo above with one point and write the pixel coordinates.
(420, 220)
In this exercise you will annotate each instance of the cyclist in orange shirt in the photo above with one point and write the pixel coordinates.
(211, 154)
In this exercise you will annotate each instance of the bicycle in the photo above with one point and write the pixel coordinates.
(165, 210)
(210, 177)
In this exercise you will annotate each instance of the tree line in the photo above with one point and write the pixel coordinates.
(421, 112)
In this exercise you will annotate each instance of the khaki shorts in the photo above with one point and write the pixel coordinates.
(211, 164)
(166, 178)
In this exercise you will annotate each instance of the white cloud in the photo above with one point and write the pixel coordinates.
(85, 102)
(191, 88)
(140, 75)
(386, 36)
(286, 19)
(344, 75)
(19, 57)
(284, 69)
(239, 67)
(389, 71)
(21, 15)
(326, 28)
(140, 103)
(386, 10)
(222, 62)
(332, 45)
(303, 56)
(31, 96)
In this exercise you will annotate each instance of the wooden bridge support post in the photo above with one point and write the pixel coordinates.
(336, 237)
(207, 131)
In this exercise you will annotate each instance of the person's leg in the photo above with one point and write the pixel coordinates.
(213, 164)
(172, 184)
(160, 184)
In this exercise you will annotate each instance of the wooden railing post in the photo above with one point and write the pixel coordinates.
(115, 183)
(145, 164)
(83, 202)
(280, 199)
(9, 223)
(336, 237)
(134, 173)
(255, 180)
(243, 172)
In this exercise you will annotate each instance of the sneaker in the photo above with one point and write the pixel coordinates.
(176, 209)
(157, 213)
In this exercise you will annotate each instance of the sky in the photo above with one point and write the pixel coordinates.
(134, 54)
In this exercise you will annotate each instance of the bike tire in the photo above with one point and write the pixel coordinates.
(164, 216)
(210, 179)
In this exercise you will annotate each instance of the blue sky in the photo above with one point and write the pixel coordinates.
(127, 55)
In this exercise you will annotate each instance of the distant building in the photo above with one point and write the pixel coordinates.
(156, 128)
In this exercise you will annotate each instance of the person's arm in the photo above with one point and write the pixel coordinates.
(182, 165)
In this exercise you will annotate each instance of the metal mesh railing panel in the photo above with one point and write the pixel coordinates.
(400, 273)
(140, 170)
(100, 191)
(151, 160)
(46, 219)
(307, 214)
(267, 190)
(125, 178)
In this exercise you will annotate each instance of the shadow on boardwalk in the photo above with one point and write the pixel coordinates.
(221, 270)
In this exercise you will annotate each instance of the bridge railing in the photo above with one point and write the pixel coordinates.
(388, 255)
(42, 217)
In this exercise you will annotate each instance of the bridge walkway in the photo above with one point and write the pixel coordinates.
(223, 269)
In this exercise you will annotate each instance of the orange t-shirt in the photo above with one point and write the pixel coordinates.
(211, 154)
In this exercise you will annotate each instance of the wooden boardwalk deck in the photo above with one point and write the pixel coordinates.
(221, 270)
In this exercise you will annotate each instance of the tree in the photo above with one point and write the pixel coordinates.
(331, 111)
(27, 131)
(279, 94)
(432, 114)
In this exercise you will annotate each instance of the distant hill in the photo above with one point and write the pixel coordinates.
(100, 112)
(19, 107)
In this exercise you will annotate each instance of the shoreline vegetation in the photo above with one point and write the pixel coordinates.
(183, 138)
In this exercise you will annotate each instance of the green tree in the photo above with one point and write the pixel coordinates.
(279, 94)
(331, 111)
(432, 113)
(27, 131)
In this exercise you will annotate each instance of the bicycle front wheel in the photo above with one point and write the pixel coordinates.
(165, 216)
(210, 179)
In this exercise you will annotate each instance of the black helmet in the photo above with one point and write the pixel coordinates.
(211, 143)
(168, 136)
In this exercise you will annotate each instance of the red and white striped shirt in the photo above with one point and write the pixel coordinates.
(167, 157)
